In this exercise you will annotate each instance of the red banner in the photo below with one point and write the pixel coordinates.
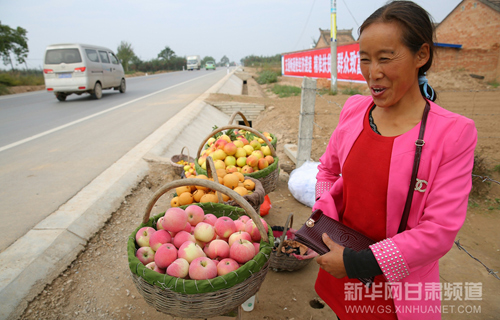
(317, 63)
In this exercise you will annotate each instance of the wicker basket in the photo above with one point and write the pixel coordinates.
(179, 168)
(268, 177)
(274, 142)
(214, 297)
(284, 262)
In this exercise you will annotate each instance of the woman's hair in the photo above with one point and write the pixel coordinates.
(416, 26)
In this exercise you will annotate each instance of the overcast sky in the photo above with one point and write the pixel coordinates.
(214, 28)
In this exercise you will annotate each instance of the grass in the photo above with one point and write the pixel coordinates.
(284, 91)
(267, 76)
(351, 91)
(19, 78)
(494, 84)
(329, 92)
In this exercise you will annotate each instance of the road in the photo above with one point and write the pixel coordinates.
(50, 150)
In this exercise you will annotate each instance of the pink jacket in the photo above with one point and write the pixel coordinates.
(438, 210)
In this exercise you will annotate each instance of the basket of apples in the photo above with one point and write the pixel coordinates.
(201, 260)
(250, 157)
(183, 163)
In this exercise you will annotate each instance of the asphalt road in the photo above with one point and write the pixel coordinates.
(50, 150)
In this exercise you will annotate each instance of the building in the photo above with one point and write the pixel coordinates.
(468, 39)
(344, 36)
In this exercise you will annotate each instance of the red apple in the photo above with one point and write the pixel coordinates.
(269, 159)
(142, 236)
(145, 255)
(257, 247)
(181, 237)
(230, 149)
(195, 214)
(190, 251)
(158, 238)
(237, 236)
(165, 255)
(175, 219)
(252, 229)
(204, 232)
(210, 219)
(227, 265)
(263, 163)
(202, 268)
(159, 224)
(240, 225)
(179, 268)
(242, 251)
(217, 249)
(154, 267)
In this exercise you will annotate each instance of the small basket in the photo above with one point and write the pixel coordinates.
(284, 262)
(179, 168)
(201, 298)
(268, 176)
(274, 142)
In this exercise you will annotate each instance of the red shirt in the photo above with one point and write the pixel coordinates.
(366, 177)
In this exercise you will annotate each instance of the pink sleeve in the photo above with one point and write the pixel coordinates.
(443, 213)
(329, 168)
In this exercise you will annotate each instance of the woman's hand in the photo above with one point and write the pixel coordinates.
(333, 261)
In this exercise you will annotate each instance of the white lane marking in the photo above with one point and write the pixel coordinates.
(15, 144)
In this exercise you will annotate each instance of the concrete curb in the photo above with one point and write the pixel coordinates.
(40, 256)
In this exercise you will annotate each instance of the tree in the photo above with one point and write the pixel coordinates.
(125, 53)
(166, 53)
(224, 60)
(13, 41)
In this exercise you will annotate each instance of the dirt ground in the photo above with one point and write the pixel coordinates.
(98, 284)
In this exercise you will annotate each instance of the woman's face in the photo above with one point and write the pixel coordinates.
(388, 66)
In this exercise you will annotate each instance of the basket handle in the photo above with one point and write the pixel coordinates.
(252, 130)
(212, 185)
(182, 152)
(212, 173)
(233, 116)
(289, 220)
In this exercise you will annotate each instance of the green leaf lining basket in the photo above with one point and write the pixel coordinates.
(268, 176)
(201, 298)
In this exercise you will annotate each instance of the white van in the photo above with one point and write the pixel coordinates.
(80, 68)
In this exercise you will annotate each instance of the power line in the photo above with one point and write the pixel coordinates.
(350, 13)
(307, 21)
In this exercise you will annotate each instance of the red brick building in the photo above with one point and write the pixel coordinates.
(469, 39)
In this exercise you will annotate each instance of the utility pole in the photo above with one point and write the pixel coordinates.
(333, 46)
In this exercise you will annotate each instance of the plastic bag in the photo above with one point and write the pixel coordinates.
(302, 183)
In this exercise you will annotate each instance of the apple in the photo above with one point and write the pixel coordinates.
(242, 251)
(154, 267)
(217, 249)
(142, 236)
(204, 232)
(241, 161)
(175, 219)
(258, 154)
(244, 218)
(218, 154)
(240, 152)
(265, 150)
(257, 247)
(224, 227)
(145, 255)
(263, 164)
(230, 149)
(195, 214)
(210, 141)
(252, 229)
(159, 223)
(179, 268)
(202, 268)
(219, 164)
(220, 144)
(247, 169)
(240, 225)
(248, 149)
(181, 237)
(255, 144)
(230, 161)
(187, 228)
(165, 255)
(238, 143)
(269, 159)
(261, 141)
(238, 235)
(245, 141)
(190, 251)
(231, 169)
(158, 238)
(252, 161)
(210, 219)
(225, 137)
(227, 265)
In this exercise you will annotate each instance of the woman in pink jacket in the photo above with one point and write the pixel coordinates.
(365, 174)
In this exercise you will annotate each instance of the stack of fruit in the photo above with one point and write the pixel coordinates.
(188, 167)
(190, 244)
(198, 194)
(234, 152)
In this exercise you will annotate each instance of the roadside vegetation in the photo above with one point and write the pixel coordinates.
(284, 91)
(30, 77)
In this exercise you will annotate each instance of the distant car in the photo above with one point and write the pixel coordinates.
(210, 65)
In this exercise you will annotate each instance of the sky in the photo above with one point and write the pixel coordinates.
(215, 28)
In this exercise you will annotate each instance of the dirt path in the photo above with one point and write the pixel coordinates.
(98, 284)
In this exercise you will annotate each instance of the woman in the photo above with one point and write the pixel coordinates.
(364, 176)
